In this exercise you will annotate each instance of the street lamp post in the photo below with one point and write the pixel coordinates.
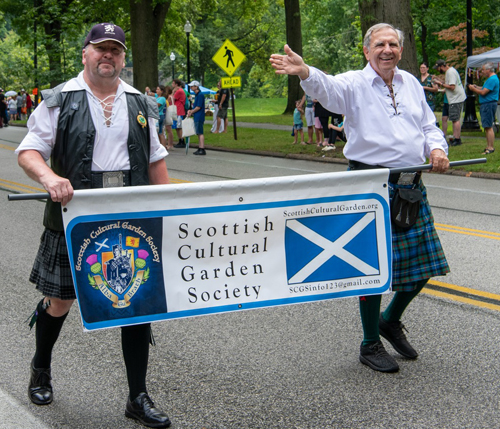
(187, 28)
(35, 57)
(470, 122)
(172, 59)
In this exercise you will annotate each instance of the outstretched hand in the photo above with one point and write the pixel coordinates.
(290, 63)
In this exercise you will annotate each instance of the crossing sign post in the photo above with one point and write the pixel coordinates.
(229, 58)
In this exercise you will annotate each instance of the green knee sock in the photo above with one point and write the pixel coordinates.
(401, 300)
(369, 309)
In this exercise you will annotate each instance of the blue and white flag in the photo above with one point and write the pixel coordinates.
(145, 254)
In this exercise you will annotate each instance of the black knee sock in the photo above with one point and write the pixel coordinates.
(369, 309)
(46, 334)
(400, 301)
(135, 345)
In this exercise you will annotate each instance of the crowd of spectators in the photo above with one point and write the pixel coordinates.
(14, 106)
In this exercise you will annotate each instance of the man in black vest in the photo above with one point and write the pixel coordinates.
(98, 132)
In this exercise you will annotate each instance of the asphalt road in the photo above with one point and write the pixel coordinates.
(282, 367)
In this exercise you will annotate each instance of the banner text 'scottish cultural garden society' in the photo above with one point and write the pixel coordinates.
(153, 253)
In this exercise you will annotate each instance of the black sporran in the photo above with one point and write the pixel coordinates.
(405, 207)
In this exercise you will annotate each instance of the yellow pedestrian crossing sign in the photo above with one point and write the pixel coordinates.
(228, 57)
(231, 82)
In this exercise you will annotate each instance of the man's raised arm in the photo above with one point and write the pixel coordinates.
(290, 63)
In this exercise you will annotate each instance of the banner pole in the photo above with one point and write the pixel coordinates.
(429, 166)
(20, 197)
(45, 196)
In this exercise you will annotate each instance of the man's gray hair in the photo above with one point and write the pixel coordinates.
(381, 26)
(489, 66)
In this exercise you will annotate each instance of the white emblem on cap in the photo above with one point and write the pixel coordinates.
(109, 28)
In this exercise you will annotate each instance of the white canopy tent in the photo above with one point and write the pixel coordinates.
(475, 61)
(478, 60)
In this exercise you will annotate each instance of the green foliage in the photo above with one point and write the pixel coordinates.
(332, 35)
(256, 27)
(330, 29)
(432, 16)
(15, 63)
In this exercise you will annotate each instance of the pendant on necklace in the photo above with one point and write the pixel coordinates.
(142, 120)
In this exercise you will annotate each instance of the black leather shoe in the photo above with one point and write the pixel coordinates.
(200, 151)
(377, 358)
(143, 410)
(393, 332)
(181, 144)
(40, 389)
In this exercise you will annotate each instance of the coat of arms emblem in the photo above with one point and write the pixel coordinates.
(118, 271)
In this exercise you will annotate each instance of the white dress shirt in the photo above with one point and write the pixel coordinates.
(110, 145)
(377, 132)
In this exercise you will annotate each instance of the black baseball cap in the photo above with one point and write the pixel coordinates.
(105, 31)
(439, 63)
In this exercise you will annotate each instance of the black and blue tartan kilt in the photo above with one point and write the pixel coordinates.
(417, 253)
(51, 271)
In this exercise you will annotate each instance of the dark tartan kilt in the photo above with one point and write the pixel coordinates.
(417, 253)
(51, 271)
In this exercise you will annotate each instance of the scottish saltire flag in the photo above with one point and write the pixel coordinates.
(332, 247)
(154, 253)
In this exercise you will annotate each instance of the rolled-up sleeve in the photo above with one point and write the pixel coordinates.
(42, 127)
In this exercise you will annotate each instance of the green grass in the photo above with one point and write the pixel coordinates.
(261, 140)
(21, 122)
(262, 110)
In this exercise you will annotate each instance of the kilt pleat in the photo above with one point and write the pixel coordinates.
(51, 271)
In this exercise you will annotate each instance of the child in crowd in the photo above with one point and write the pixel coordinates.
(336, 132)
(298, 123)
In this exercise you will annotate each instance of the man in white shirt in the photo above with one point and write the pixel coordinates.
(388, 123)
(95, 131)
(455, 94)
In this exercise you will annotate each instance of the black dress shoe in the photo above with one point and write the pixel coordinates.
(393, 332)
(143, 410)
(376, 357)
(40, 389)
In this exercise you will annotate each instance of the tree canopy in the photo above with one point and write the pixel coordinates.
(331, 36)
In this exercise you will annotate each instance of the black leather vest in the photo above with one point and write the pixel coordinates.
(73, 150)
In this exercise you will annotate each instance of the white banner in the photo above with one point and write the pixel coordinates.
(143, 254)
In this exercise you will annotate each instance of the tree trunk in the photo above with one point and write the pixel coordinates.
(53, 29)
(146, 21)
(423, 39)
(294, 40)
(398, 14)
(53, 48)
